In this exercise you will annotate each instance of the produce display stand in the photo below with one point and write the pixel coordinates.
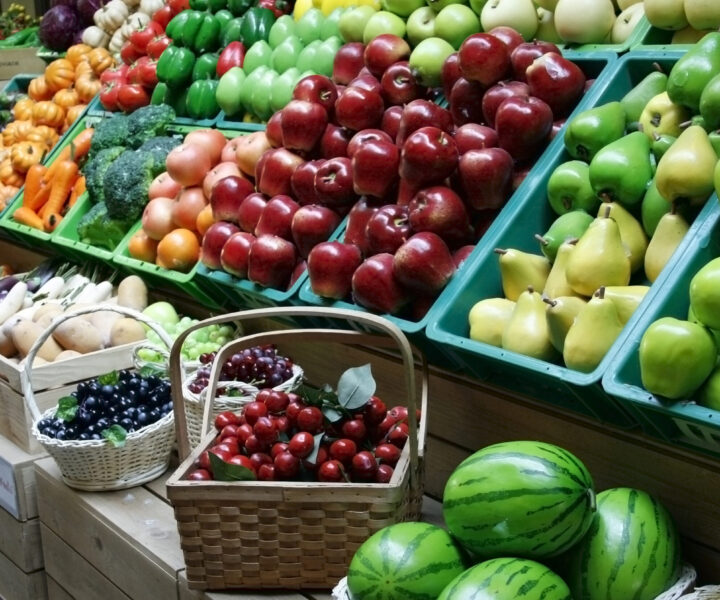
(529, 214)
(95, 109)
(639, 33)
(655, 39)
(683, 422)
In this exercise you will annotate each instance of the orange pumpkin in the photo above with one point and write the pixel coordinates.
(87, 86)
(22, 111)
(66, 98)
(77, 53)
(100, 59)
(82, 67)
(48, 113)
(39, 89)
(26, 154)
(10, 176)
(73, 113)
(16, 131)
(60, 74)
(42, 134)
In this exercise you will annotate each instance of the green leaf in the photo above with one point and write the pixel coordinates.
(355, 387)
(109, 378)
(331, 413)
(312, 457)
(149, 370)
(67, 408)
(116, 435)
(223, 471)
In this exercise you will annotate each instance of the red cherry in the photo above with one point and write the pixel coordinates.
(277, 448)
(204, 461)
(225, 418)
(282, 423)
(276, 401)
(293, 409)
(310, 419)
(301, 444)
(254, 410)
(384, 473)
(264, 430)
(375, 411)
(287, 466)
(331, 470)
(260, 458)
(266, 473)
(398, 435)
(223, 454)
(321, 457)
(343, 450)
(364, 465)
(355, 429)
(228, 431)
(255, 444)
(229, 445)
(244, 431)
(387, 453)
(242, 461)
(200, 475)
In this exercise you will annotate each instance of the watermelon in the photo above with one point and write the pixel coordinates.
(528, 499)
(631, 551)
(507, 579)
(405, 561)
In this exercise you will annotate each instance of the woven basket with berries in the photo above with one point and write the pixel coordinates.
(282, 493)
(112, 432)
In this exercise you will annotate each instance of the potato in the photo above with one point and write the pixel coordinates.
(65, 354)
(7, 347)
(24, 335)
(103, 321)
(133, 293)
(79, 305)
(126, 331)
(45, 314)
(78, 334)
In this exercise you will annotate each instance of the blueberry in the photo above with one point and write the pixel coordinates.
(112, 411)
(60, 434)
(51, 432)
(133, 383)
(96, 436)
(142, 394)
(94, 387)
(130, 412)
(153, 381)
(154, 414)
(125, 423)
(84, 436)
(107, 391)
(132, 395)
(91, 402)
(142, 408)
(84, 417)
(102, 424)
(71, 432)
(90, 429)
(167, 407)
(142, 419)
(126, 403)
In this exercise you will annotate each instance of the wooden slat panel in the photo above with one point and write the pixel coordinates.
(16, 585)
(20, 542)
(17, 480)
(55, 590)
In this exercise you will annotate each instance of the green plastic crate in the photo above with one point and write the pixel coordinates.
(225, 122)
(527, 214)
(655, 39)
(683, 423)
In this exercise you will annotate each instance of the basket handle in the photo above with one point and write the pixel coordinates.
(26, 371)
(394, 337)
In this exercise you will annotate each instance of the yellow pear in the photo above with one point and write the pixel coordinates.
(632, 233)
(520, 269)
(626, 299)
(557, 283)
(527, 330)
(560, 314)
(668, 235)
(488, 318)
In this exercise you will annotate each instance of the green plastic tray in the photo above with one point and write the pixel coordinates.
(655, 39)
(527, 214)
(225, 122)
(638, 33)
(96, 110)
(684, 423)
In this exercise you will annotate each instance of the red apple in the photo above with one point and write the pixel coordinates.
(357, 220)
(556, 80)
(466, 101)
(484, 58)
(387, 229)
(277, 216)
(235, 252)
(482, 220)
(311, 225)
(213, 242)
(302, 182)
(271, 261)
(330, 269)
(250, 210)
(300, 268)
(429, 155)
(523, 126)
(473, 136)
(422, 113)
(273, 130)
(440, 210)
(318, 89)
(406, 191)
(333, 182)
(274, 170)
(375, 168)
(303, 124)
(375, 287)
(357, 108)
(226, 196)
(365, 136)
(509, 36)
(424, 263)
(485, 177)
(383, 51)
(450, 73)
(350, 58)
(461, 254)
(497, 93)
(557, 126)
(399, 85)
(524, 55)
(391, 121)
(366, 81)
(519, 174)
(334, 141)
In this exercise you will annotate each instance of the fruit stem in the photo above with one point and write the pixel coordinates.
(541, 239)
(600, 293)
(657, 67)
(656, 137)
(500, 251)
(607, 212)
(549, 301)
(572, 241)
(531, 289)
(685, 124)
(591, 498)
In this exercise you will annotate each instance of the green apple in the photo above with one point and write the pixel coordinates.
(286, 54)
(477, 5)
(281, 90)
(546, 27)
(666, 14)
(584, 21)
(710, 392)
(352, 22)
(456, 22)
(259, 54)
(438, 5)
(383, 22)
(402, 8)
(260, 96)
(427, 58)
(306, 59)
(625, 23)
(281, 29)
(325, 56)
(331, 24)
(705, 294)
(421, 25)
(521, 15)
(308, 27)
(249, 85)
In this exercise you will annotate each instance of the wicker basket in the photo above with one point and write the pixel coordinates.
(97, 465)
(282, 534)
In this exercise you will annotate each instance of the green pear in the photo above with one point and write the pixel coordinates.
(584, 21)
(488, 318)
(688, 35)
(710, 103)
(676, 357)
(631, 232)
(557, 283)
(703, 14)
(626, 22)
(662, 116)
(710, 392)
(636, 99)
(566, 227)
(705, 294)
(626, 299)
(622, 170)
(546, 26)
(518, 14)
(569, 188)
(560, 315)
(520, 269)
(669, 234)
(599, 258)
(592, 334)
(685, 172)
(593, 129)
(527, 331)
(653, 207)
(666, 14)
(661, 144)
(693, 70)
(715, 332)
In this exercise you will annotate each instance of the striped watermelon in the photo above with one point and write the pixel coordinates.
(523, 498)
(405, 561)
(507, 579)
(632, 550)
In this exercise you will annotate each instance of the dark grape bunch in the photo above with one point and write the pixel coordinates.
(259, 366)
(132, 402)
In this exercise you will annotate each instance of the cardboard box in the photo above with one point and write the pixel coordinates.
(20, 60)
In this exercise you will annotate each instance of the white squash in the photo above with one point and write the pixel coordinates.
(150, 7)
(134, 22)
(116, 42)
(110, 17)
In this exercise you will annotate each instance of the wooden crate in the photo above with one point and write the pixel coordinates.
(17, 481)
(15, 584)
(20, 542)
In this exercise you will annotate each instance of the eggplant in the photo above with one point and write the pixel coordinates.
(7, 283)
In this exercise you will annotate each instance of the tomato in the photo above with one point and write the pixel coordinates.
(343, 450)
(166, 186)
(186, 209)
(109, 96)
(162, 16)
(157, 45)
(140, 38)
(212, 140)
(148, 72)
(131, 97)
(117, 74)
(178, 250)
(133, 72)
(129, 53)
(178, 6)
(157, 219)
(301, 444)
(200, 475)
(188, 164)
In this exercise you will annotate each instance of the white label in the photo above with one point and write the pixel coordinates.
(8, 492)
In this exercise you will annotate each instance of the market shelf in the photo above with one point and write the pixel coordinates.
(96, 109)
(639, 32)
(655, 39)
(225, 122)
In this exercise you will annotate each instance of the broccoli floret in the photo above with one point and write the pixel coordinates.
(148, 122)
(126, 184)
(160, 147)
(109, 132)
(94, 171)
(97, 228)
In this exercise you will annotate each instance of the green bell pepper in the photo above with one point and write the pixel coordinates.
(240, 7)
(256, 25)
(231, 32)
(177, 24)
(228, 91)
(160, 94)
(178, 100)
(217, 5)
(205, 66)
(199, 4)
(207, 38)
(191, 28)
(201, 102)
(175, 66)
(223, 17)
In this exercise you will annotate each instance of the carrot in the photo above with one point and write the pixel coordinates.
(27, 216)
(40, 198)
(80, 146)
(77, 191)
(33, 179)
(63, 182)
